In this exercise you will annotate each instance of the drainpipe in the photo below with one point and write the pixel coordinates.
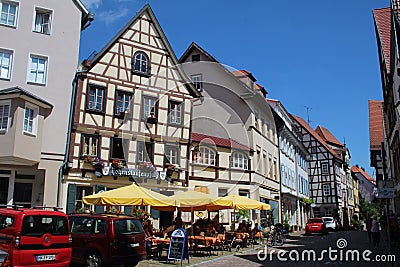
(69, 129)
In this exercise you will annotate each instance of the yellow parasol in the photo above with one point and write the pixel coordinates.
(192, 200)
(238, 203)
(131, 195)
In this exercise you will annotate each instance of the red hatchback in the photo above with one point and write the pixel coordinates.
(316, 225)
(35, 237)
(105, 239)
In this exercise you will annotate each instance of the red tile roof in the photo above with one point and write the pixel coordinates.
(316, 136)
(383, 23)
(356, 169)
(218, 141)
(328, 136)
(376, 136)
(240, 73)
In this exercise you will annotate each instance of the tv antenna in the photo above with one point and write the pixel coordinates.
(308, 115)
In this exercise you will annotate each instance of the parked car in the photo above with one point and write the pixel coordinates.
(105, 239)
(4, 259)
(331, 223)
(315, 225)
(35, 236)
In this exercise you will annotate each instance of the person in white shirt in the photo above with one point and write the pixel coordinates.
(375, 232)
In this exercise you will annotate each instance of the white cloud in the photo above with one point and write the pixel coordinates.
(110, 16)
(92, 4)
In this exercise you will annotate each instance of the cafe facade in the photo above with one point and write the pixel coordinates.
(132, 117)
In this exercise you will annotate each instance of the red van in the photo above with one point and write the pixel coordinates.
(105, 239)
(35, 237)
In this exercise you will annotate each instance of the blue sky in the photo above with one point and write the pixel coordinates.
(317, 54)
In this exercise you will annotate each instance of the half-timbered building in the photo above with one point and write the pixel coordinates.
(325, 172)
(132, 113)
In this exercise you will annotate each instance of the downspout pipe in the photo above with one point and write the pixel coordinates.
(69, 130)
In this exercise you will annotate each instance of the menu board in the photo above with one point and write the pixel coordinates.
(178, 245)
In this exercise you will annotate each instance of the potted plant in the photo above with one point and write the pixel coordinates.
(96, 162)
(118, 163)
(113, 210)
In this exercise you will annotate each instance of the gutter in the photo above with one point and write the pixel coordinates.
(64, 165)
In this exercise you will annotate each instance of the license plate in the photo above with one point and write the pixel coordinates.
(134, 245)
(45, 257)
(314, 226)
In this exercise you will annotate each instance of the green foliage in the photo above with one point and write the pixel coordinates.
(367, 208)
(244, 213)
(307, 201)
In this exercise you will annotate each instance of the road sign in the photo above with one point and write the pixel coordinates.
(386, 189)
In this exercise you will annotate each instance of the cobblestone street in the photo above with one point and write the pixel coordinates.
(340, 243)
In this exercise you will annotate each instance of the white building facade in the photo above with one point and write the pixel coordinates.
(38, 59)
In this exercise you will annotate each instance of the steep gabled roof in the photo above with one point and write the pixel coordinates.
(192, 90)
(316, 136)
(383, 24)
(218, 141)
(241, 73)
(192, 46)
(356, 169)
(18, 91)
(376, 133)
(328, 136)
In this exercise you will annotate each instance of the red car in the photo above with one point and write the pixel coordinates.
(316, 225)
(35, 237)
(105, 239)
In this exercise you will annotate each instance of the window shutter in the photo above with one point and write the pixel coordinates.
(71, 195)
(98, 209)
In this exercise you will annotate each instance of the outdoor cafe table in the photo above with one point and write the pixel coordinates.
(209, 239)
(242, 235)
(158, 241)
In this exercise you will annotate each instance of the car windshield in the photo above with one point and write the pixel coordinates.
(128, 226)
(38, 225)
(315, 221)
(328, 219)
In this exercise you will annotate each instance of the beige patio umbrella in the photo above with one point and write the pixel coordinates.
(131, 195)
(237, 202)
(192, 200)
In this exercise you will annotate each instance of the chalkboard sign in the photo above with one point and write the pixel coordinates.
(178, 245)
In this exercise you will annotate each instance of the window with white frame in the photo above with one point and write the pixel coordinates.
(9, 12)
(123, 100)
(171, 155)
(324, 167)
(149, 107)
(6, 58)
(90, 145)
(175, 114)
(42, 21)
(239, 160)
(37, 69)
(204, 155)
(326, 189)
(96, 98)
(30, 119)
(141, 63)
(4, 115)
(197, 81)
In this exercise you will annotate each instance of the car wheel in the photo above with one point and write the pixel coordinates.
(93, 259)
